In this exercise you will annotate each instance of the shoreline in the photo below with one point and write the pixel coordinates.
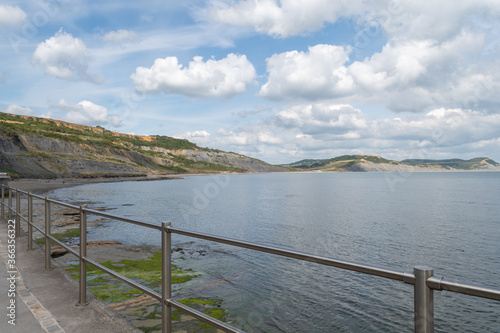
(42, 186)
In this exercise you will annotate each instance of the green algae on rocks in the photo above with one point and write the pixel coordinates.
(142, 311)
(61, 236)
(146, 272)
(149, 318)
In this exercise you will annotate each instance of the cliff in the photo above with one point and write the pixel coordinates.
(32, 147)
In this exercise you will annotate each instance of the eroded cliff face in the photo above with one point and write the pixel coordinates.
(34, 156)
(245, 162)
(366, 166)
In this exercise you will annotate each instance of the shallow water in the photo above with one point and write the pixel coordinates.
(448, 221)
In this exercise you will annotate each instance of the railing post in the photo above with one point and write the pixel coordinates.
(166, 277)
(18, 213)
(10, 204)
(424, 300)
(30, 221)
(47, 234)
(3, 198)
(82, 300)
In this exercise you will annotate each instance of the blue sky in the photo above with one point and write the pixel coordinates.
(276, 80)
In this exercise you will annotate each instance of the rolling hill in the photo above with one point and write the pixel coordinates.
(377, 163)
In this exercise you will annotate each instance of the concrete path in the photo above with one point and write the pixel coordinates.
(45, 301)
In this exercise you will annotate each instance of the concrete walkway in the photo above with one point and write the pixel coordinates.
(45, 301)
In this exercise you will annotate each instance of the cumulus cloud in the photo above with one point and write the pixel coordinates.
(212, 78)
(318, 73)
(194, 135)
(437, 54)
(87, 113)
(121, 36)
(412, 75)
(314, 119)
(454, 124)
(439, 127)
(323, 130)
(11, 16)
(16, 109)
(438, 20)
(286, 17)
(65, 57)
(248, 140)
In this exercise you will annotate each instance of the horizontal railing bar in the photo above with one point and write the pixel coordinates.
(39, 229)
(24, 192)
(439, 283)
(21, 191)
(63, 204)
(120, 277)
(38, 196)
(203, 317)
(352, 266)
(63, 245)
(124, 219)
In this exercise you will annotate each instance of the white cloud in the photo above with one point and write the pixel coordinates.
(194, 135)
(65, 57)
(318, 73)
(414, 75)
(438, 19)
(286, 17)
(213, 78)
(323, 130)
(404, 76)
(269, 138)
(16, 109)
(234, 138)
(243, 140)
(440, 126)
(10, 16)
(121, 36)
(87, 113)
(319, 119)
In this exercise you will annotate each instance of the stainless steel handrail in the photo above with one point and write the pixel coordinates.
(348, 265)
(421, 277)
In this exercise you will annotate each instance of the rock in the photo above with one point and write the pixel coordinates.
(57, 251)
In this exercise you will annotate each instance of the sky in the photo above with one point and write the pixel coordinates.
(276, 80)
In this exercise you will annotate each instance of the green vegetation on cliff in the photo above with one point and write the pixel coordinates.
(96, 136)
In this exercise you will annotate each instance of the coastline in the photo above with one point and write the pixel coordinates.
(42, 186)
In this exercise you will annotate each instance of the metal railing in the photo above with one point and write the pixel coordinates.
(422, 277)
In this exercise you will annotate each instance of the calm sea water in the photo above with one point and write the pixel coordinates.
(448, 221)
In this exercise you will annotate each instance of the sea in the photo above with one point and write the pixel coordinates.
(449, 221)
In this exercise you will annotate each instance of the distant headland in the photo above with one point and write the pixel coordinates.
(373, 163)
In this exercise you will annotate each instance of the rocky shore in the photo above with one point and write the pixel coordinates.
(140, 263)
